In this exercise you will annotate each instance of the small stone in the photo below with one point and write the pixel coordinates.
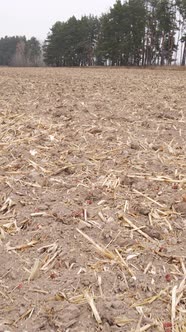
(144, 210)
(173, 241)
(106, 327)
(153, 233)
(117, 305)
(122, 287)
(42, 207)
(22, 309)
(155, 147)
(181, 208)
(132, 282)
(126, 181)
(95, 131)
(85, 283)
(134, 146)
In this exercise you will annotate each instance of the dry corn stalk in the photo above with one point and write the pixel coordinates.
(91, 303)
(34, 271)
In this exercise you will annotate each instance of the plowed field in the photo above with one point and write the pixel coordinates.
(92, 200)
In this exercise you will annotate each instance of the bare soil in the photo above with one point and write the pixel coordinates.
(92, 200)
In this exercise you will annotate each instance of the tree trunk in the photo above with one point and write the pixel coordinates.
(184, 55)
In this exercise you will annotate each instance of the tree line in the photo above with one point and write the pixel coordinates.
(20, 52)
(133, 32)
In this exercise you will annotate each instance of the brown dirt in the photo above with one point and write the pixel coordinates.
(92, 200)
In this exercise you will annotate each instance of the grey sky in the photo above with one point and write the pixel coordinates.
(35, 17)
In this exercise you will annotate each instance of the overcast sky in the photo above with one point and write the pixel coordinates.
(36, 17)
